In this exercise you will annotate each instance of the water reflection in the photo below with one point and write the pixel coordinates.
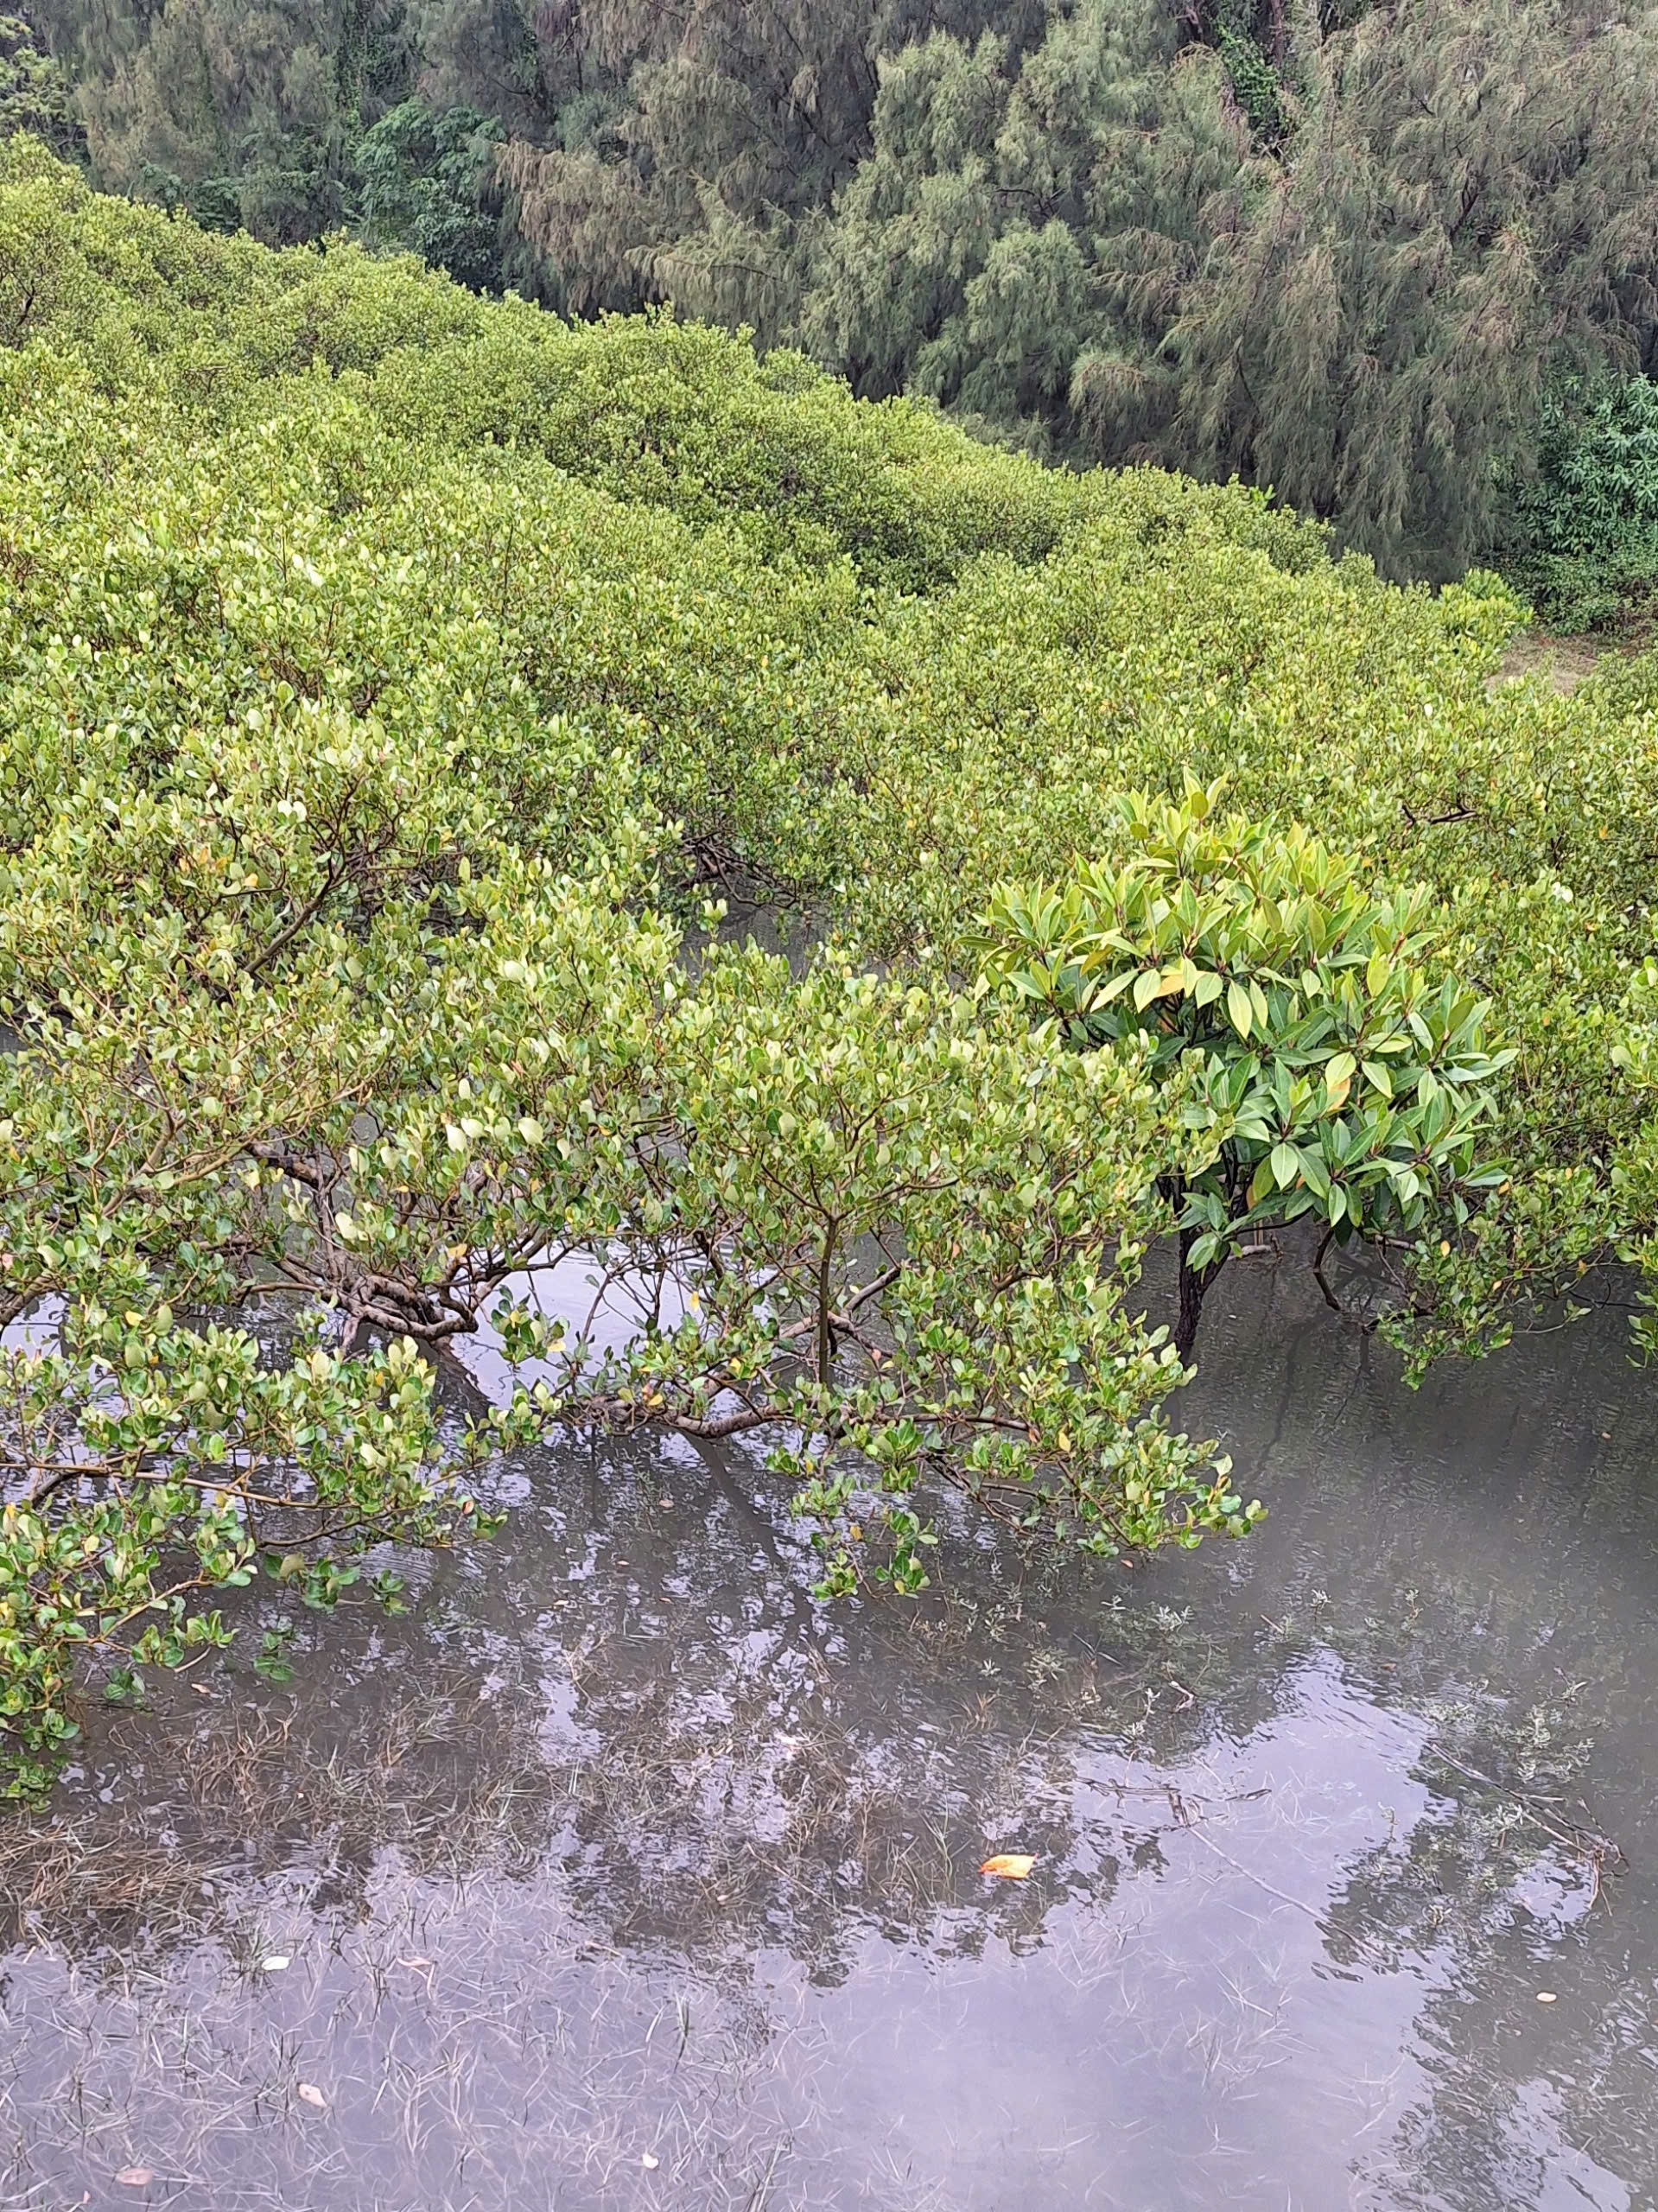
(623, 1874)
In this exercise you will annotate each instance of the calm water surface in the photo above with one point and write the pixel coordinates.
(622, 1873)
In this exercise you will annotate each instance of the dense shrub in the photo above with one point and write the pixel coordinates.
(1585, 524)
(385, 676)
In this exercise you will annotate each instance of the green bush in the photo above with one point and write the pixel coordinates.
(1585, 523)
(386, 677)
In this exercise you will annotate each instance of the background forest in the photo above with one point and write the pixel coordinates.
(1396, 263)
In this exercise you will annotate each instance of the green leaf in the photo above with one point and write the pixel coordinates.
(1314, 1171)
(1339, 1070)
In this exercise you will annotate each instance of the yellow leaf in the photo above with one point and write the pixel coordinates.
(1009, 1866)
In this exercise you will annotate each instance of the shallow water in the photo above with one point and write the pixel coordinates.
(622, 1873)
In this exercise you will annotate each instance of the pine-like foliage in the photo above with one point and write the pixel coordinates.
(245, 115)
(960, 261)
(1358, 305)
(692, 147)
(1468, 199)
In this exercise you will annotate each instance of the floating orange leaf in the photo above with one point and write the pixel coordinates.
(1009, 1866)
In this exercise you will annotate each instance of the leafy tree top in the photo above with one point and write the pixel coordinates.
(1338, 1070)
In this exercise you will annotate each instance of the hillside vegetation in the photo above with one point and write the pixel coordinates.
(387, 676)
(1398, 263)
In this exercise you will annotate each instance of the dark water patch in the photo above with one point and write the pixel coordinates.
(622, 1873)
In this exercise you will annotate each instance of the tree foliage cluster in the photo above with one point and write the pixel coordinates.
(387, 676)
(36, 95)
(342, 894)
(1349, 252)
(1338, 1080)
(1583, 521)
(1359, 301)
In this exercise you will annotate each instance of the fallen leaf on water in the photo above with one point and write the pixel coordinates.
(313, 2095)
(1010, 1865)
(648, 2161)
(135, 2177)
(275, 1965)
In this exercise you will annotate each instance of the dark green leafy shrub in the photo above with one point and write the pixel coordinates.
(427, 184)
(34, 91)
(1332, 1072)
(1585, 522)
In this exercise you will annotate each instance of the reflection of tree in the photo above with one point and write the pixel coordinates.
(742, 1768)
(631, 1729)
(730, 1763)
(1489, 1546)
